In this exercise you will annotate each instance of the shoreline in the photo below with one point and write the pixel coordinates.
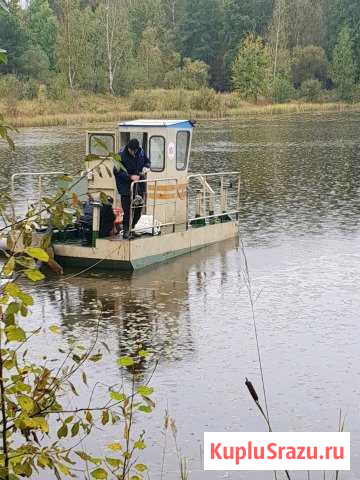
(83, 118)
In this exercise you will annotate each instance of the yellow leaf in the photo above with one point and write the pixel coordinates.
(115, 447)
(54, 329)
(15, 334)
(37, 253)
(26, 403)
(63, 469)
(34, 275)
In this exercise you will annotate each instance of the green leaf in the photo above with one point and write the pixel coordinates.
(25, 298)
(15, 334)
(105, 417)
(14, 291)
(100, 143)
(37, 253)
(54, 329)
(3, 57)
(39, 423)
(63, 431)
(75, 429)
(83, 455)
(63, 469)
(44, 460)
(145, 409)
(143, 390)
(65, 178)
(119, 397)
(96, 357)
(99, 474)
(26, 403)
(113, 462)
(34, 275)
(73, 389)
(125, 361)
(9, 266)
(26, 262)
(103, 198)
(88, 416)
(140, 445)
(143, 353)
(140, 467)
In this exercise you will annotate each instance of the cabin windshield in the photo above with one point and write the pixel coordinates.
(142, 137)
(98, 141)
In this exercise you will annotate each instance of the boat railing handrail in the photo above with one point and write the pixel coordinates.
(155, 181)
(216, 174)
(40, 176)
(205, 198)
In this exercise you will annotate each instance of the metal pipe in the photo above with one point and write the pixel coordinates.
(233, 212)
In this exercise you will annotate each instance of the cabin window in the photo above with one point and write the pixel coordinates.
(142, 137)
(157, 153)
(182, 149)
(107, 139)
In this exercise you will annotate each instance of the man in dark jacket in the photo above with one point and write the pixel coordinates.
(137, 165)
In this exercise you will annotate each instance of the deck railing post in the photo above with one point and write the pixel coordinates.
(222, 194)
(176, 196)
(154, 208)
(96, 223)
(40, 194)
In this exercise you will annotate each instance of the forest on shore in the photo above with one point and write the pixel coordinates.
(177, 55)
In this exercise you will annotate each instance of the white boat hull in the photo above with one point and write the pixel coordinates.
(118, 254)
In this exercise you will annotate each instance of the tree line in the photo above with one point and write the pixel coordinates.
(270, 48)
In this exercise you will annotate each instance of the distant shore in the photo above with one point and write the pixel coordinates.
(101, 109)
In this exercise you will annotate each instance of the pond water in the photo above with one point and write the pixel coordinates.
(300, 227)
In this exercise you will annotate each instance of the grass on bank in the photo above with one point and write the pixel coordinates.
(81, 109)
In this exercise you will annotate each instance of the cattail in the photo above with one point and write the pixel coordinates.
(252, 390)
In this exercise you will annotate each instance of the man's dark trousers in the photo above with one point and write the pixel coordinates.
(136, 213)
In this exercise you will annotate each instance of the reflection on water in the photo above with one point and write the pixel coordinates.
(299, 222)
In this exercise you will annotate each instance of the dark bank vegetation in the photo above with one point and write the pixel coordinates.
(102, 58)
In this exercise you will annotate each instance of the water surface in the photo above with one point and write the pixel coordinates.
(300, 227)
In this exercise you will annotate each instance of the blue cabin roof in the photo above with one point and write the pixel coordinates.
(158, 123)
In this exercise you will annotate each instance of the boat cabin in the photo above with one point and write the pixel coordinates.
(167, 143)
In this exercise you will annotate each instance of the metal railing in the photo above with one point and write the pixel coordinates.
(39, 194)
(217, 198)
(218, 195)
(151, 204)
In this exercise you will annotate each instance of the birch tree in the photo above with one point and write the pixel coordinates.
(278, 39)
(68, 46)
(113, 16)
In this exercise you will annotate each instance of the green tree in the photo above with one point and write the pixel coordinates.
(337, 14)
(306, 24)
(13, 39)
(343, 65)
(201, 35)
(43, 25)
(193, 75)
(309, 63)
(143, 14)
(150, 59)
(242, 17)
(251, 68)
